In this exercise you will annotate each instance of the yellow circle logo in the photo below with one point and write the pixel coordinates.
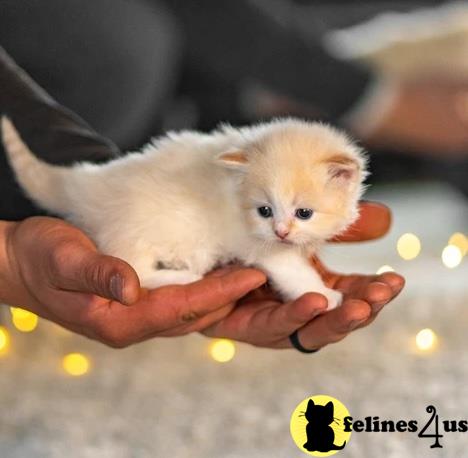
(317, 426)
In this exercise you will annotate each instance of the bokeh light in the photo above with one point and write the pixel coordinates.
(385, 268)
(408, 246)
(76, 364)
(222, 350)
(23, 320)
(460, 241)
(4, 340)
(451, 256)
(426, 340)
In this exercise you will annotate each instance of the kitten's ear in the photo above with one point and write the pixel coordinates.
(329, 406)
(311, 403)
(233, 159)
(342, 170)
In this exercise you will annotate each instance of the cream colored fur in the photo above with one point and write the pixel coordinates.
(189, 201)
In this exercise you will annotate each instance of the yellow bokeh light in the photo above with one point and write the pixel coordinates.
(23, 320)
(460, 241)
(76, 364)
(4, 340)
(451, 256)
(222, 350)
(408, 246)
(384, 268)
(426, 339)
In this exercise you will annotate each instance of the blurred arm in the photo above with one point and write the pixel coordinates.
(53, 132)
(236, 41)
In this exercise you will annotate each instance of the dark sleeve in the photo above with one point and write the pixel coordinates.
(235, 40)
(52, 132)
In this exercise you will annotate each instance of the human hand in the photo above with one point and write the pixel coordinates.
(261, 319)
(421, 116)
(53, 269)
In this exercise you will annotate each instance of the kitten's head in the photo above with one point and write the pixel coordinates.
(318, 414)
(300, 182)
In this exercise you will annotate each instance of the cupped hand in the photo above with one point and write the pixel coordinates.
(53, 269)
(262, 320)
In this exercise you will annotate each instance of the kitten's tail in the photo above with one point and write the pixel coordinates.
(339, 447)
(42, 182)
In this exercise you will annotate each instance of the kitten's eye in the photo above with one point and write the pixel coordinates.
(304, 213)
(265, 212)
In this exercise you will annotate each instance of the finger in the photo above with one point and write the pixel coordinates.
(356, 286)
(374, 222)
(394, 280)
(223, 270)
(264, 322)
(197, 326)
(74, 267)
(279, 321)
(268, 324)
(332, 326)
(381, 293)
(187, 303)
(168, 310)
(120, 326)
(378, 293)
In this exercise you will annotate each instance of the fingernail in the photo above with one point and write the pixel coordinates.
(354, 324)
(116, 287)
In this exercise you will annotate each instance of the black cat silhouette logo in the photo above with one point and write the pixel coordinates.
(317, 426)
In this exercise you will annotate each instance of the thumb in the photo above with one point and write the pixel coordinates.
(95, 273)
(374, 222)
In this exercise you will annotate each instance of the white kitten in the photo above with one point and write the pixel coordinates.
(267, 195)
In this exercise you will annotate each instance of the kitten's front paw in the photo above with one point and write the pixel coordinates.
(334, 298)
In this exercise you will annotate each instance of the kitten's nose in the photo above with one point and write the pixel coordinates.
(282, 233)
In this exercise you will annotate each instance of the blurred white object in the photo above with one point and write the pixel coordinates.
(429, 42)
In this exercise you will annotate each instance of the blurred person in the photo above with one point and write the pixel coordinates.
(132, 69)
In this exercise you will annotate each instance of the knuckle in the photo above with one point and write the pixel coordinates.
(58, 257)
(95, 274)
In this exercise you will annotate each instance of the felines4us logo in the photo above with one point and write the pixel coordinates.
(322, 426)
